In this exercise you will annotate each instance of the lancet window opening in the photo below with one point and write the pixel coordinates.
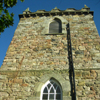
(55, 26)
(51, 91)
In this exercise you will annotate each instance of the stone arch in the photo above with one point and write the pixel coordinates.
(60, 18)
(65, 84)
(55, 26)
(64, 22)
(53, 87)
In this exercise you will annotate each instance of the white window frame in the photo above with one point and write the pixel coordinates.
(45, 85)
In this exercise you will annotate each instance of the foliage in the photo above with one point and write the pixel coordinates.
(6, 19)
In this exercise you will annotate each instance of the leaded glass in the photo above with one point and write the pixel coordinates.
(58, 96)
(58, 90)
(51, 96)
(55, 85)
(45, 96)
(45, 90)
(48, 86)
(51, 91)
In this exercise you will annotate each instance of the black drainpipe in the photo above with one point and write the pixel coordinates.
(71, 67)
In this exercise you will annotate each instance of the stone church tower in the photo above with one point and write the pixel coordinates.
(54, 55)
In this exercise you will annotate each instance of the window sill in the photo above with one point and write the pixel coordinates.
(54, 33)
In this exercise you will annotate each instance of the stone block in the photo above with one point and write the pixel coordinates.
(24, 85)
(98, 61)
(4, 94)
(25, 93)
(16, 89)
(79, 52)
(3, 77)
(85, 74)
(27, 89)
(79, 93)
(10, 98)
(97, 82)
(89, 83)
(97, 54)
(93, 73)
(33, 98)
(96, 65)
(78, 88)
(66, 87)
(81, 47)
(18, 81)
(84, 98)
(1, 85)
(86, 88)
(66, 97)
(0, 98)
(82, 83)
(78, 74)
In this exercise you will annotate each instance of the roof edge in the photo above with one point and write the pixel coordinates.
(56, 11)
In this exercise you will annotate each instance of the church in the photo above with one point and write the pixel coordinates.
(53, 55)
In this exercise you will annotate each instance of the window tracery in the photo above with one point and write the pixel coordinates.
(51, 91)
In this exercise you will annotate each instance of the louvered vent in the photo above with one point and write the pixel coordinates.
(55, 26)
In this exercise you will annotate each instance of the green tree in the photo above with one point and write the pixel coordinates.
(6, 19)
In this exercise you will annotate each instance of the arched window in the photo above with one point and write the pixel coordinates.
(55, 26)
(51, 91)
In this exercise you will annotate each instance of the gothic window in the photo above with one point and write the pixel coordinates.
(55, 26)
(51, 91)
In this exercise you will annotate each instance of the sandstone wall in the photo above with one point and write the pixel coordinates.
(87, 84)
(34, 56)
(26, 85)
(34, 49)
(85, 42)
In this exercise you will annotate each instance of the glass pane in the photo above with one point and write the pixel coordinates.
(45, 96)
(48, 85)
(58, 90)
(52, 82)
(55, 85)
(52, 90)
(44, 99)
(51, 96)
(45, 90)
(58, 96)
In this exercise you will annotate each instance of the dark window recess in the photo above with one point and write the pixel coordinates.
(55, 26)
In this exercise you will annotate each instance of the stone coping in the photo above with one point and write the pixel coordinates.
(79, 12)
(56, 11)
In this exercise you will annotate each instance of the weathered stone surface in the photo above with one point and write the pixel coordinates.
(4, 94)
(79, 52)
(81, 48)
(35, 56)
(98, 61)
(36, 45)
(85, 74)
(81, 83)
(3, 77)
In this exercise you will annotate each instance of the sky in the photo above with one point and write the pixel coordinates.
(48, 5)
